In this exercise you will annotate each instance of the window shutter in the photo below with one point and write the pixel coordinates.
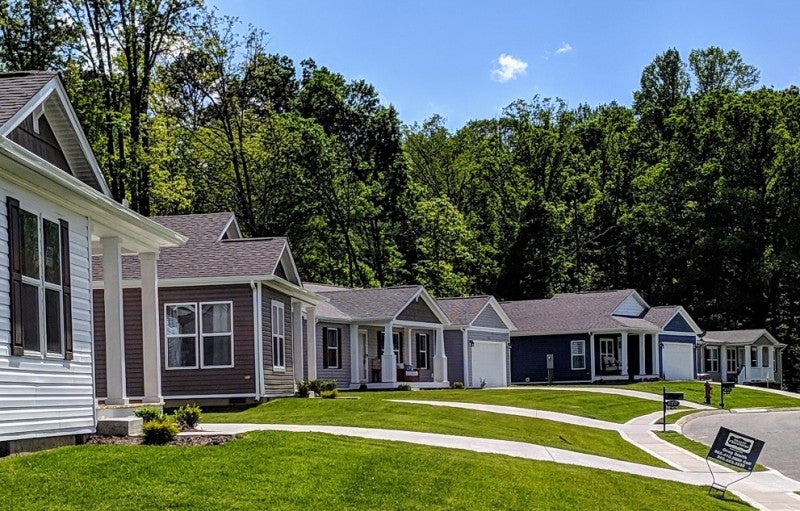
(66, 287)
(419, 354)
(339, 348)
(325, 356)
(15, 271)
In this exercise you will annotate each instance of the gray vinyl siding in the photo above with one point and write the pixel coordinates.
(629, 307)
(454, 349)
(340, 375)
(44, 397)
(418, 310)
(132, 326)
(277, 382)
(476, 335)
(42, 144)
(489, 318)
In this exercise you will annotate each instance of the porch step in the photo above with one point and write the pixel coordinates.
(121, 411)
(120, 426)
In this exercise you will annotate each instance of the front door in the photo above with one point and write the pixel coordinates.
(364, 348)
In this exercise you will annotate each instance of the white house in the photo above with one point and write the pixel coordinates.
(56, 211)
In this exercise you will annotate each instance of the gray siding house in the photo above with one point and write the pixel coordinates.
(606, 335)
(741, 356)
(477, 341)
(229, 312)
(55, 212)
(378, 338)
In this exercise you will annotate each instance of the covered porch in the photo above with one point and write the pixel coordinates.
(758, 362)
(624, 355)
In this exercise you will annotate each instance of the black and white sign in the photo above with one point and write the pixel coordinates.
(736, 449)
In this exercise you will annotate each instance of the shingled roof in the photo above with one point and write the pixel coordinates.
(16, 89)
(463, 311)
(205, 254)
(573, 312)
(739, 337)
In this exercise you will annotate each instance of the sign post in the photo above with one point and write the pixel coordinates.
(670, 400)
(735, 449)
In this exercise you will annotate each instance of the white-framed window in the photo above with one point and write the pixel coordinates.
(733, 360)
(753, 356)
(332, 338)
(712, 359)
(608, 354)
(198, 341)
(423, 351)
(578, 352)
(278, 336)
(42, 300)
(764, 356)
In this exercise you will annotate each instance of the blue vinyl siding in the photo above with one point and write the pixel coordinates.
(690, 339)
(678, 324)
(529, 358)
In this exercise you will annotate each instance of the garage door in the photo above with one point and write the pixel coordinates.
(678, 361)
(489, 363)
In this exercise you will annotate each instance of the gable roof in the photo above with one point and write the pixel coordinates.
(23, 93)
(206, 256)
(663, 315)
(373, 304)
(739, 337)
(463, 311)
(573, 313)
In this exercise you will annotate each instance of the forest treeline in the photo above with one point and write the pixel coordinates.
(691, 195)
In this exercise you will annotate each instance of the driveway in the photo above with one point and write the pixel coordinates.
(779, 430)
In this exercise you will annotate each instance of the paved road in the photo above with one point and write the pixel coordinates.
(779, 430)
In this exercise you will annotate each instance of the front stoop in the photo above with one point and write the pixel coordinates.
(120, 426)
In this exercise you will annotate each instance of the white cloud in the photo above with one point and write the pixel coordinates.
(564, 48)
(509, 68)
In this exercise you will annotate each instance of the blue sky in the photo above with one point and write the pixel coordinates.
(428, 56)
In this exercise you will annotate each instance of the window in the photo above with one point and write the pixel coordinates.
(190, 347)
(608, 354)
(733, 360)
(712, 359)
(332, 357)
(278, 336)
(753, 356)
(764, 356)
(39, 268)
(397, 344)
(423, 351)
(578, 350)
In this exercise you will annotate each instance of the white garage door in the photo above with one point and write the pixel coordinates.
(678, 361)
(489, 363)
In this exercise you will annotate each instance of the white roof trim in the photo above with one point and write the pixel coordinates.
(55, 86)
(637, 297)
(492, 302)
(687, 318)
(293, 269)
(227, 227)
(437, 311)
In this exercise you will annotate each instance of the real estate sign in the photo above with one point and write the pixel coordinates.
(736, 449)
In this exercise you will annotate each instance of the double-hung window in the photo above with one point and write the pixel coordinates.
(205, 341)
(39, 271)
(332, 338)
(423, 351)
(278, 336)
(712, 359)
(578, 358)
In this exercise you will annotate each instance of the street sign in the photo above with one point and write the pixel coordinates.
(736, 449)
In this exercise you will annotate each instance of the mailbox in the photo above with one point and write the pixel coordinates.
(673, 396)
(727, 386)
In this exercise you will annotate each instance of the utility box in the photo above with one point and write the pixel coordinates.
(550, 358)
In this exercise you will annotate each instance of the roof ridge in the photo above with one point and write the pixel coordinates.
(463, 297)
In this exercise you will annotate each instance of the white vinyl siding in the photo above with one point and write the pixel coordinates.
(42, 397)
(278, 336)
(629, 307)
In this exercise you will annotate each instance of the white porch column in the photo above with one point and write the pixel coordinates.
(440, 359)
(388, 360)
(467, 366)
(407, 346)
(115, 334)
(591, 353)
(355, 355)
(151, 353)
(656, 356)
(723, 363)
(297, 340)
(624, 354)
(311, 342)
(771, 362)
(642, 358)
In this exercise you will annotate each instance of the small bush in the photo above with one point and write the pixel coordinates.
(159, 431)
(188, 416)
(149, 413)
(404, 386)
(457, 385)
(320, 386)
(329, 394)
(483, 382)
(303, 386)
(363, 386)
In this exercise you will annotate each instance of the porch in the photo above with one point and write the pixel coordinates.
(624, 355)
(740, 364)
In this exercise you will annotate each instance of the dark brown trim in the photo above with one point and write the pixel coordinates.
(15, 271)
(66, 289)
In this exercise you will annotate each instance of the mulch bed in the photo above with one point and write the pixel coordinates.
(183, 440)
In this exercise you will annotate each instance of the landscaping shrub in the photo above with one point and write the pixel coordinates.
(303, 386)
(363, 386)
(149, 413)
(404, 386)
(320, 386)
(188, 416)
(159, 431)
(329, 394)
(457, 385)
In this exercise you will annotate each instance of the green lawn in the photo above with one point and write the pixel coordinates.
(372, 410)
(290, 471)
(740, 397)
(695, 447)
(607, 407)
(673, 417)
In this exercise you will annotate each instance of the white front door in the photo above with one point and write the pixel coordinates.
(488, 363)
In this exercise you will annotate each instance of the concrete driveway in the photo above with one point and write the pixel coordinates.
(779, 430)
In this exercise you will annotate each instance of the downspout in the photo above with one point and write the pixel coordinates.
(465, 348)
(257, 335)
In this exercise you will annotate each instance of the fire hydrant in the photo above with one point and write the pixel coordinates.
(708, 392)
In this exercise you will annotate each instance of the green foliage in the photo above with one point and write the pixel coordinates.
(329, 394)
(791, 366)
(302, 388)
(159, 431)
(188, 416)
(316, 386)
(457, 385)
(148, 413)
(404, 387)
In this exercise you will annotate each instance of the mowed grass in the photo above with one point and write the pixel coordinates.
(697, 448)
(290, 471)
(606, 407)
(674, 417)
(373, 410)
(740, 397)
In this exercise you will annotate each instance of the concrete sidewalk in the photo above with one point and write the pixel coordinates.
(649, 396)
